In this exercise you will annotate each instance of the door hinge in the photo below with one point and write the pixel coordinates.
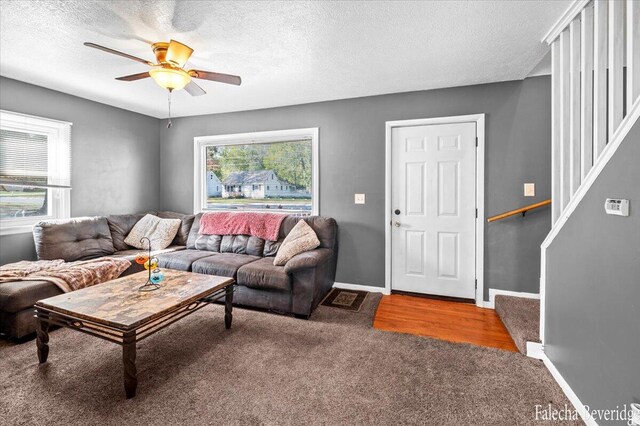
(476, 213)
(476, 141)
(476, 284)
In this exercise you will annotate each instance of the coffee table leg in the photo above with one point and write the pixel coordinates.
(129, 364)
(228, 306)
(42, 341)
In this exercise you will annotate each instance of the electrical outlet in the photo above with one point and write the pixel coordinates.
(359, 199)
(529, 189)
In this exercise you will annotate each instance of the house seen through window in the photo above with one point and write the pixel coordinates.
(260, 176)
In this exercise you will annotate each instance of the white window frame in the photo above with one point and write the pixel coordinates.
(59, 199)
(290, 135)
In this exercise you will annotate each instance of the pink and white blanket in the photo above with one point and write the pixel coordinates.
(261, 225)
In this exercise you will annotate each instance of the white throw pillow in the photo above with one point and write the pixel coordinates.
(160, 231)
(301, 238)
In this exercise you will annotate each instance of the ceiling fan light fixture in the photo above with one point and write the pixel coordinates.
(170, 78)
(168, 72)
(177, 53)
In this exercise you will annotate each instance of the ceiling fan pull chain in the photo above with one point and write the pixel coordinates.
(169, 123)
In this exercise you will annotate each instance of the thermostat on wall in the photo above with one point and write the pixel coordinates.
(617, 207)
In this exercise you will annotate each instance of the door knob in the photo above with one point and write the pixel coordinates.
(396, 224)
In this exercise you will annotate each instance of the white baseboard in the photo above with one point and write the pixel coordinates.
(371, 289)
(573, 398)
(535, 350)
(493, 292)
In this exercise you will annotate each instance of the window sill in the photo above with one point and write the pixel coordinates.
(17, 229)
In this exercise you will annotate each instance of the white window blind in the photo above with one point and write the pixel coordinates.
(34, 154)
(35, 171)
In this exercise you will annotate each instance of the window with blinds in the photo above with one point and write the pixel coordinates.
(35, 170)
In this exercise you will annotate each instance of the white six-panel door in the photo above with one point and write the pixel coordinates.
(433, 174)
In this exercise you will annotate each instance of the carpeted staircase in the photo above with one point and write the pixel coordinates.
(521, 317)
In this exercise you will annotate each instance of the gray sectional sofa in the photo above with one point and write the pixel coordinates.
(295, 288)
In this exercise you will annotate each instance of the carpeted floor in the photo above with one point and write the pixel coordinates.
(521, 317)
(271, 369)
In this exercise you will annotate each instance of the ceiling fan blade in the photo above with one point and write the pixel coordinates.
(134, 77)
(194, 90)
(178, 53)
(216, 76)
(115, 52)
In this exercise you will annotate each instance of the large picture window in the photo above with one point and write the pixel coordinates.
(34, 171)
(266, 171)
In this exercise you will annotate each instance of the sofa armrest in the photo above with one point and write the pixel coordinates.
(308, 259)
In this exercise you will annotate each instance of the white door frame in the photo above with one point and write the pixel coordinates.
(480, 133)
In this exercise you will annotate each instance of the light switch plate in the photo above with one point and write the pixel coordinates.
(359, 199)
(529, 189)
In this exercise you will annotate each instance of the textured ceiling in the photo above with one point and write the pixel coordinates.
(286, 52)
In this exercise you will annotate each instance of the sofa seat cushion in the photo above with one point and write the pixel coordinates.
(263, 274)
(18, 295)
(182, 259)
(223, 264)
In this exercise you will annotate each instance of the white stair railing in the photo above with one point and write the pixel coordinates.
(595, 48)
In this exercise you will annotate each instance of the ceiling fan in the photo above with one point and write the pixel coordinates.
(168, 72)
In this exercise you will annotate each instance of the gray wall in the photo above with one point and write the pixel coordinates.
(115, 156)
(592, 293)
(352, 139)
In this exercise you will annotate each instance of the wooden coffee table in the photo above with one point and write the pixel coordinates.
(116, 311)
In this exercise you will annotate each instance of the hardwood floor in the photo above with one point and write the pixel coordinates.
(440, 319)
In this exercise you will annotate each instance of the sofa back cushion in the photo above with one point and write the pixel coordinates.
(239, 244)
(242, 244)
(208, 242)
(120, 225)
(159, 232)
(73, 239)
(195, 241)
(185, 226)
(271, 247)
(301, 238)
(325, 228)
